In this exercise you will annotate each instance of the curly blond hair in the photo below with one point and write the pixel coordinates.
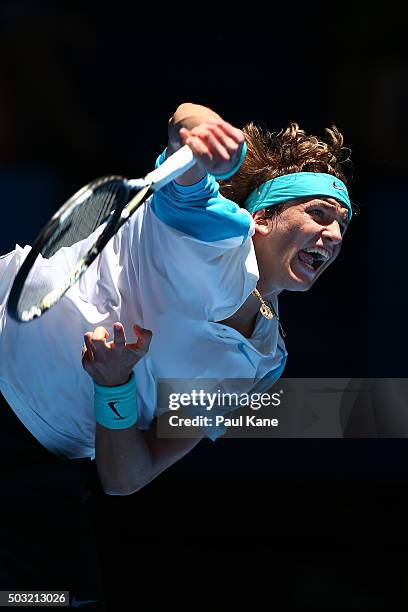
(272, 154)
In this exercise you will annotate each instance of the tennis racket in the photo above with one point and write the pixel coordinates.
(110, 200)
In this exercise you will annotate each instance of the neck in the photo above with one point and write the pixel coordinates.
(267, 288)
(243, 320)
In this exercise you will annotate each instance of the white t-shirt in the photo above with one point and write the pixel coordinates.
(184, 261)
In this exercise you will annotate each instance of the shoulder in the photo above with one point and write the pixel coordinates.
(200, 211)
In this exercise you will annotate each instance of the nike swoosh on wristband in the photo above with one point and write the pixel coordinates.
(113, 408)
(77, 603)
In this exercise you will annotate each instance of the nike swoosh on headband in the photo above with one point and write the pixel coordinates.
(338, 186)
(297, 185)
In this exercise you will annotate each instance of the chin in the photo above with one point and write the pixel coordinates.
(299, 284)
(301, 287)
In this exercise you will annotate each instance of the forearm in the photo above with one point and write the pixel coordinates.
(128, 459)
(189, 116)
(123, 459)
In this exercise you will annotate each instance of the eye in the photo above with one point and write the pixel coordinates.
(317, 211)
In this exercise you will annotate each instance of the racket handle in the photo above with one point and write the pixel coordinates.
(178, 163)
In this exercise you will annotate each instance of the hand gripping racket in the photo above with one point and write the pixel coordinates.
(110, 200)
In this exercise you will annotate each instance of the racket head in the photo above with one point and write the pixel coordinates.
(100, 202)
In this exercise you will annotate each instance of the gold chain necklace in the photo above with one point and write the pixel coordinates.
(267, 310)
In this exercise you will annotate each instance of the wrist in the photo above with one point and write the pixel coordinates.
(116, 407)
(235, 168)
(113, 384)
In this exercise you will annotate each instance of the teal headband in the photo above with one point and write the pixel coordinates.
(297, 185)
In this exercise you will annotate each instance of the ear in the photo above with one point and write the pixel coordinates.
(262, 225)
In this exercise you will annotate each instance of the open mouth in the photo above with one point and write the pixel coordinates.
(313, 257)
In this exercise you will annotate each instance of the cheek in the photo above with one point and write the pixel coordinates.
(302, 236)
(289, 238)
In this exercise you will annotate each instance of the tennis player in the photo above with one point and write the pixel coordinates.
(208, 261)
(193, 278)
(199, 268)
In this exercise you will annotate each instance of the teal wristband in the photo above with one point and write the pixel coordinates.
(116, 407)
(236, 167)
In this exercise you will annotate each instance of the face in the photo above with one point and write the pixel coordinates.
(294, 248)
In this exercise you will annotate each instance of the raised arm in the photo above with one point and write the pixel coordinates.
(216, 144)
(126, 458)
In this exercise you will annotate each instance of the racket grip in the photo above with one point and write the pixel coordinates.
(178, 163)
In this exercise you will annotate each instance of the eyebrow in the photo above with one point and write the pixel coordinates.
(331, 207)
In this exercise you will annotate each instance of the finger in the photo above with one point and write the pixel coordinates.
(184, 133)
(199, 149)
(212, 143)
(119, 338)
(144, 337)
(100, 333)
(234, 133)
(89, 346)
(85, 355)
(230, 145)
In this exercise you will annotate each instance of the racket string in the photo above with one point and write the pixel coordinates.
(85, 219)
(105, 201)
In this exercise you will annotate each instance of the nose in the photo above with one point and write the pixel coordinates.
(332, 231)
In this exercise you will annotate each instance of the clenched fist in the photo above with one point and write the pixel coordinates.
(216, 145)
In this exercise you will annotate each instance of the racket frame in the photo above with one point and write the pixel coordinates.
(171, 168)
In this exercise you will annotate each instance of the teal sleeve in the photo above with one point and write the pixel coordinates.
(200, 210)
